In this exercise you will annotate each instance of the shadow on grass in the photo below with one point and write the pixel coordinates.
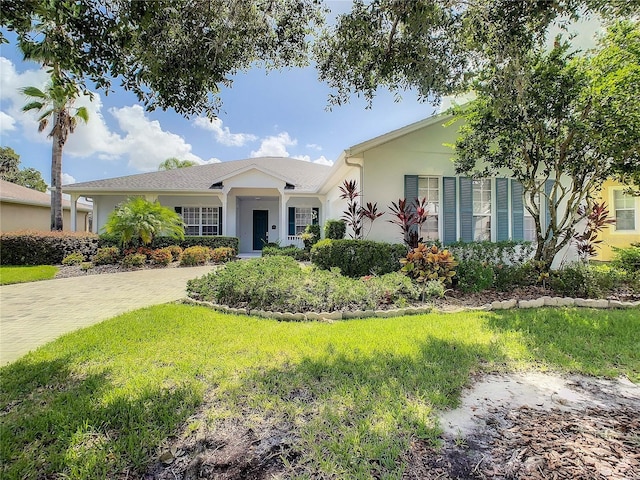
(58, 423)
(356, 412)
(594, 342)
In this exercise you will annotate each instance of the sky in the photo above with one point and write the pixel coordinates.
(279, 113)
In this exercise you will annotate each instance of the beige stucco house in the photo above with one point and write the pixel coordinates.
(273, 199)
(23, 208)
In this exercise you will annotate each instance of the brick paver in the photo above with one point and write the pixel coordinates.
(32, 314)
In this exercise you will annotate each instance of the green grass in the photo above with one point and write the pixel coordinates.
(98, 403)
(11, 274)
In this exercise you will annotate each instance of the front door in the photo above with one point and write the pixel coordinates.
(260, 228)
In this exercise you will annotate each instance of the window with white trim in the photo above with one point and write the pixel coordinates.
(529, 223)
(304, 217)
(482, 209)
(429, 188)
(200, 221)
(625, 211)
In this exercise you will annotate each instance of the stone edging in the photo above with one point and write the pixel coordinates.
(497, 305)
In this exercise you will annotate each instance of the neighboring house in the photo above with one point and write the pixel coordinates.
(23, 208)
(273, 199)
(625, 210)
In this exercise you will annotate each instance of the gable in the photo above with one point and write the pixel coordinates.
(253, 178)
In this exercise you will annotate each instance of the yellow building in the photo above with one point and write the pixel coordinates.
(625, 209)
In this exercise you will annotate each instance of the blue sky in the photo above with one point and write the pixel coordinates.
(277, 113)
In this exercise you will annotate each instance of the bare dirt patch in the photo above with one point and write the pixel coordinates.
(537, 426)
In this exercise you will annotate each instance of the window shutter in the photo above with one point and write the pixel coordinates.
(219, 220)
(449, 217)
(316, 215)
(178, 210)
(502, 209)
(292, 220)
(548, 187)
(466, 209)
(517, 210)
(410, 188)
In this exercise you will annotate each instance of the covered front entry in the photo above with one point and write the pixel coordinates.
(260, 228)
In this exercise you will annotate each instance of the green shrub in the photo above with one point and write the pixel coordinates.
(84, 266)
(291, 251)
(279, 283)
(197, 255)
(425, 263)
(106, 240)
(433, 289)
(134, 260)
(106, 256)
(75, 258)
(335, 229)
(587, 281)
(474, 276)
(505, 277)
(311, 236)
(176, 251)
(161, 256)
(221, 254)
(44, 248)
(627, 258)
(357, 258)
(494, 253)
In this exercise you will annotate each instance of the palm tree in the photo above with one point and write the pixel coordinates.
(55, 104)
(173, 163)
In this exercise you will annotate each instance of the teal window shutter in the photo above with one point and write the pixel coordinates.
(517, 210)
(548, 187)
(449, 214)
(219, 220)
(502, 209)
(410, 188)
(292, 220)
(466, 209)
(316, 215)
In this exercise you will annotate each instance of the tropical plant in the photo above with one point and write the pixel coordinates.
(410, 218)
(55, 105)
(196, 255)
(598, 219)
(355, 213)
(139, 221)
(425, 263)
(174, 163)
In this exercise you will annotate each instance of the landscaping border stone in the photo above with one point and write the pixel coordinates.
(417, 310)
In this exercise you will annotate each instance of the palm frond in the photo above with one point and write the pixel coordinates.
(34, 92)
(33, 106)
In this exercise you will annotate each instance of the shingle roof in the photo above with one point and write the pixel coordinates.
(12, 193)
(305, 176)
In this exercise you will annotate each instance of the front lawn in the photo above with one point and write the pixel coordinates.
(349, 397)
(20, 274)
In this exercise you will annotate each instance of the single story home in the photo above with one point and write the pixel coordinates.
(273, 199)
(23, 208)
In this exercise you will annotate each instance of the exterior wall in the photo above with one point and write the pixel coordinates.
(15, 216)
(419, 153)
(103, 205)
(610, 236)
(334, 205)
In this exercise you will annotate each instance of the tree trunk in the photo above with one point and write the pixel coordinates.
(56, 183)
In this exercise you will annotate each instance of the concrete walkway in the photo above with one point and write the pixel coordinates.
(32, 314)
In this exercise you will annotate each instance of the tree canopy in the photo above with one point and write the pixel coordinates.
(173, 163)
(556, 125)
(11, 172)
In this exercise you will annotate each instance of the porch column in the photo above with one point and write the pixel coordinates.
(225, 213)
(151, 197)
(94, 220)
(284, 225)
(74, 212)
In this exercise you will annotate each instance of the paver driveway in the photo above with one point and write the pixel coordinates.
(32, 314)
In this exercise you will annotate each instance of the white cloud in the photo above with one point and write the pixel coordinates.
(322, 160)
(211, 160)
(314, 146)
(7, 123)
(275, 146)
(222, 134)
(67, 179)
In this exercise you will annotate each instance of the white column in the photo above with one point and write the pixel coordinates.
(284, 225)
(225, 213)
(151, 197)
(74, 212)
(94, 221)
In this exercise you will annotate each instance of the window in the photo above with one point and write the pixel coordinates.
(304, 217)
(428, 188)
(624, 206)
(529, 223)
(200, 221)
(481, 209)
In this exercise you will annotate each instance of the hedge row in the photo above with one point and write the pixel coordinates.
(49, 248)
(358, 258)
(44, 248)
(189, 241)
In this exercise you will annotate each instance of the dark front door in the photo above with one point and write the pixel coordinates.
(260, 228)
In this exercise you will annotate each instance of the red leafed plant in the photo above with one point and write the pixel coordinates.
(587, 242)
(355, 214)
(407, 216)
